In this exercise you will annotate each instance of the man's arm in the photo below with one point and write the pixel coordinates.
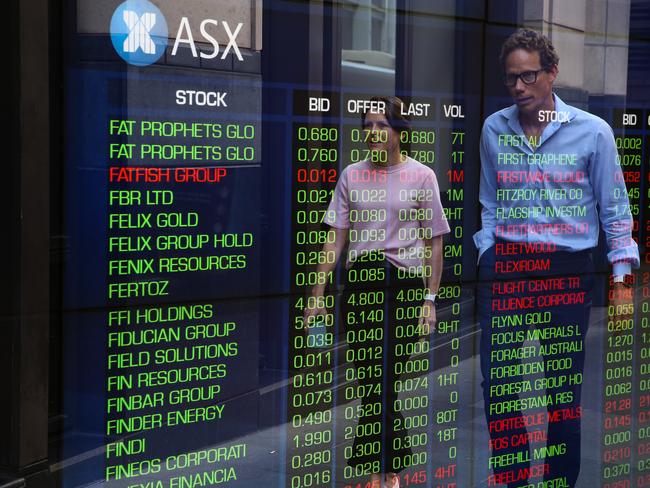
(610, 191)
(616, 218)
(337, 218)
(428, 317)
(435, 227)
(484, 239)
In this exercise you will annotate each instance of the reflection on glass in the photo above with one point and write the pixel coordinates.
(246, 299)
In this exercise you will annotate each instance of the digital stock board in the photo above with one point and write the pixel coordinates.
(296, 259)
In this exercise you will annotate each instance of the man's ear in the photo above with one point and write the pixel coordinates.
(553, 72)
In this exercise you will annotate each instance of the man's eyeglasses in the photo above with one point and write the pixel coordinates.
(528, 77)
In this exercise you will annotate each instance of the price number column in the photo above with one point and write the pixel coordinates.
(642, 322)
(618, 367)
(617, 398)
(361, 428)
(641, 413)
(422, 422)
(450, 169)
(311, 355)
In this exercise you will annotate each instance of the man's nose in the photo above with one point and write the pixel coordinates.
(520, 85)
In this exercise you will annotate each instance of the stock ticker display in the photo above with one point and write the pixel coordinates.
(216, 331)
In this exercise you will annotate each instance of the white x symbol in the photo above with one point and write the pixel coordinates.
(139, 28)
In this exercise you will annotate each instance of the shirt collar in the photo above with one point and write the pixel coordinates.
(511, 114)
(560, 106)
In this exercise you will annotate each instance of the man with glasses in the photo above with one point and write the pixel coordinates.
(549, 173)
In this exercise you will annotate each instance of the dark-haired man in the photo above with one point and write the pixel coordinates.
(549, 173)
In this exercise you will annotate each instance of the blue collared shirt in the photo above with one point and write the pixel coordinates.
(547, 192)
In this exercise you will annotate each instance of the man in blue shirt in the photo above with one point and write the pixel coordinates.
(549, 174)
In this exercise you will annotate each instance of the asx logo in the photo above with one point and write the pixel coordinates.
(139, 34)
(139, 28)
